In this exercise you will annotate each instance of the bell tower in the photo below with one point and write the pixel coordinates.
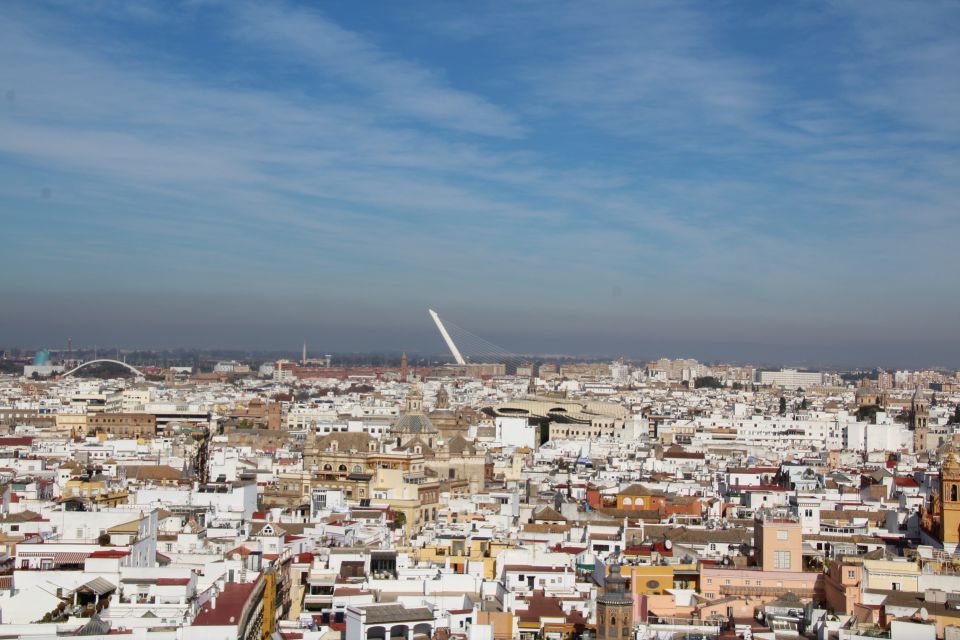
(615, 607)
(443, 399)
(415, 400)
(919, 415)
(950, 501)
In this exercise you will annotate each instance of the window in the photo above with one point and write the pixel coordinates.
(783, 535)
(713, 546)
(851, 574)
(953, 492)
(781, 559)
(895, 586)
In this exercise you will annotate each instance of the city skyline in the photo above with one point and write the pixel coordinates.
(739, 182)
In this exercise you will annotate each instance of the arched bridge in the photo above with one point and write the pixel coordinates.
(87, 364)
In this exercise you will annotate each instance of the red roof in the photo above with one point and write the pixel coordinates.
(230, 605)
(907, 481)
(16, 441)
(172, 581)
(109, 553)
(691, 455)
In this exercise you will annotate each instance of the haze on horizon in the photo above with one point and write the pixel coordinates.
(749, 181)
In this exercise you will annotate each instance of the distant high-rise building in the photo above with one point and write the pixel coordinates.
(790, 378)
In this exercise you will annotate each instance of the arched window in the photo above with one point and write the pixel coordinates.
(357, 468)
(953, 493)
(613, 621)
(327, 467)
(342, 467)
(627, 502)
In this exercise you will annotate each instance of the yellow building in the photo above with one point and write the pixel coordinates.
(891, 575)
(93, 491)
(412, 493)
(74, 423)
(950, 502)
(460, 551)
(655, 579)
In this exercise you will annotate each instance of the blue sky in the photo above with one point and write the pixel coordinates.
(749, 180)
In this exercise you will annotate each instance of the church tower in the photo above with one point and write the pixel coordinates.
(919, 415)
(615, 607)
(950, 501)
(415, 401)
(443, 399)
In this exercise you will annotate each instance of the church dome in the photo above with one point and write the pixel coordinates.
(413, 423)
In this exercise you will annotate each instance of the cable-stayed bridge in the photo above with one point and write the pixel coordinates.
(468, 348)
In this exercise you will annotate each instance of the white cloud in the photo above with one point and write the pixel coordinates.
(398, 87)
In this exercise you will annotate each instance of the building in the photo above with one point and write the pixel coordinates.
(614, 607)
(950, 502)
(123, 425)
(919, 417)
(790, 378)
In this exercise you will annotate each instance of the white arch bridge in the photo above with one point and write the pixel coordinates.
(99, 360)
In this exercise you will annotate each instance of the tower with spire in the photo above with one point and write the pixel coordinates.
(615, 607)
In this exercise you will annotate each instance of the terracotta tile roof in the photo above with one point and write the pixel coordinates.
(229, 607)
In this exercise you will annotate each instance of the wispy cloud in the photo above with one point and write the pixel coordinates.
(399, 87)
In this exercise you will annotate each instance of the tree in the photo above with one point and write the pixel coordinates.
(783, 406)
(399, 519)
(956, 414)
(707, 382)
(868, 413)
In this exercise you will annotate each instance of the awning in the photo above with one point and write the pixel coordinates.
(99, 586)
(58, 557)
(70, 557)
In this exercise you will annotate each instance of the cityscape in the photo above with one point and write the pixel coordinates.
(613, 320)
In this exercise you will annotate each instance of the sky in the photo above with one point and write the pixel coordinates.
(749, 181)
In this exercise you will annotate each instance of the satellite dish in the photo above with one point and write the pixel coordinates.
(924, 614)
